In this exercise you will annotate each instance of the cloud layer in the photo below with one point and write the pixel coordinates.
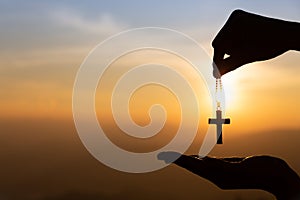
(104, 23)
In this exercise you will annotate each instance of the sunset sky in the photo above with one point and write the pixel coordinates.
(43, 44)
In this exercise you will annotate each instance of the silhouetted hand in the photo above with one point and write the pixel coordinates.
(248, 37)
(257, 172)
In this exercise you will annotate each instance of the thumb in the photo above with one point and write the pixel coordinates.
(226, 65)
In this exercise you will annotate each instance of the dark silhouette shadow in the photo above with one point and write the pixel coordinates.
(256, 172)
(248, 37)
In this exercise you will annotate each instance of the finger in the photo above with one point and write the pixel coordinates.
(206, 167)
(217, 59)
(231, 63)
(168, 156)
(233, 159)
(191, 163)
(226, 175)
(218, 55)
(216, 71)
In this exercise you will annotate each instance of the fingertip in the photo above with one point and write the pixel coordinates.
(216, 74)
(227, 65)
(217, 60)
(216, 71)
(168, 156)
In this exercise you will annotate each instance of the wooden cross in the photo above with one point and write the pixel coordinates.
(219, 121)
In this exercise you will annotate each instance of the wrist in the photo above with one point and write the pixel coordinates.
(292, 36)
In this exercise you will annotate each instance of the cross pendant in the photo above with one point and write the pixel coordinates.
(219, 121)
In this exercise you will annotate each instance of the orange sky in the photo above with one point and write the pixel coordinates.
(254, 92)
(43, 44)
